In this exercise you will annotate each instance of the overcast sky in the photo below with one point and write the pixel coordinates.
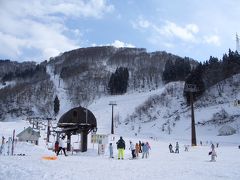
(40, 29)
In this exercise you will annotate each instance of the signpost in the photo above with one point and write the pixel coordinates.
(101, 140)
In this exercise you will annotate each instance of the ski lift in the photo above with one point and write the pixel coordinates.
(77, 145)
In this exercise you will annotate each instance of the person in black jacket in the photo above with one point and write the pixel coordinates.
(121, 147)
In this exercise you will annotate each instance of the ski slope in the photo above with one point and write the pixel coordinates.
(161, 164)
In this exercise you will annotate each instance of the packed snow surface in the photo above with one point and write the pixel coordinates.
(161, 164)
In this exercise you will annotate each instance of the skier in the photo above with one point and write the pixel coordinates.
(111, 150)
(140, 147)
(148, 148)
(212, 146)
(61, 146)
(121, 147)
(132, 148)
(137, 148)
(145, 150)
(177, 148)
(170, 148)
(2, 146)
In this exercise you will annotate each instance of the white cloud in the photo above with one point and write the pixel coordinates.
(168, 29)
(192, 28)
(170, 33)
(214, 40)
(116, 44)
(119, 44)
(41, 25)
(186, 33)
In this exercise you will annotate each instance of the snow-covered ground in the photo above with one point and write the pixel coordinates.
(160, 165)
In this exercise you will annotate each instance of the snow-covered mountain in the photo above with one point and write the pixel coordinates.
(78, 77)
(159, 116)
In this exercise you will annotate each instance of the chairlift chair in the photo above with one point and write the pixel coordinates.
(77, 144)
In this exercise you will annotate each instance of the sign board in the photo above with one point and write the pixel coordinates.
(99, 138)
(101, 149)
(190, 88)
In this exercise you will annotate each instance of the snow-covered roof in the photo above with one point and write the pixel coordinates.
(28, 134)
(226, 130)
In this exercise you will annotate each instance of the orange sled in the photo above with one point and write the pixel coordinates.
(49, 157)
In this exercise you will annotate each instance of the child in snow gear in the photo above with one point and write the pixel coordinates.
(213, 153)
(137, 148)
(110, 150)
(177, 148)
(132, 148)
(170, 148)
(56, 146)
(61, 146)
(121, 147)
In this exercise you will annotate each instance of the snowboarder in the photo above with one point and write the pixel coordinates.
(137, 148)
(61, 146)
(121, 147)
(132, 148)
(111, 150)
(170, 148)
(177, 148)
(185, 147)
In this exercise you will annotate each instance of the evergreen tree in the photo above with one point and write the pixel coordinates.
(56, 105)
(169, 73)
(118, 82)
(195, 77)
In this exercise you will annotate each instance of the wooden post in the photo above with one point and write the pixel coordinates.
(13, 142)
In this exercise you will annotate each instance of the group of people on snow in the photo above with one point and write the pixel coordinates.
(60, 146)
(176, 148)
(212, 152)
(135, 149)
